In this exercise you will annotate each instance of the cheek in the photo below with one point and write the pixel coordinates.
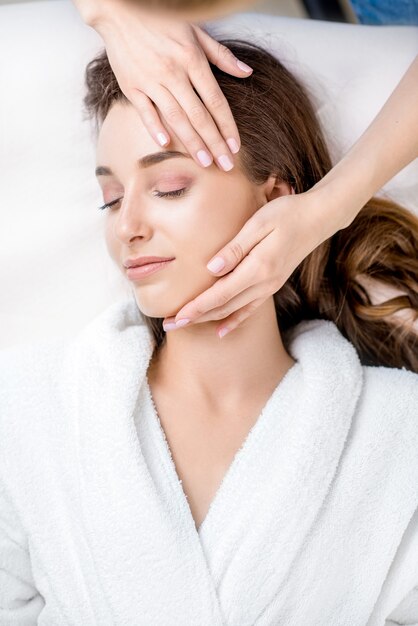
(110, 240)
(217, 221)
(208, 230)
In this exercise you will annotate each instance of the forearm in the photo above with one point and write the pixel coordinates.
(109, 17)
(386, 147)
(87, 9)
(92, 12)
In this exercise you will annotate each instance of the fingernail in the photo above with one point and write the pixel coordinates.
(169, 326)
(233, 145)
(204, 158)
(216, 265)
(243, 66)
(182, 322)
(225, 162)
(162, 139)
(223, 332)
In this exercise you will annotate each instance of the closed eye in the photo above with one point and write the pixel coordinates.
(170, 194)
(109, 204)
(160, 194)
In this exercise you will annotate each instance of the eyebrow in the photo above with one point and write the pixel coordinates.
(147, 161)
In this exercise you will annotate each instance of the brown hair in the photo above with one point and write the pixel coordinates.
(280, 134)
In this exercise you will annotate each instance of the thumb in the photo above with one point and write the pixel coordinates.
(220, 55)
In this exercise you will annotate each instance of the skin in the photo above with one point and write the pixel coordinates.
(91, 10)
(206, 10)
(190, 228)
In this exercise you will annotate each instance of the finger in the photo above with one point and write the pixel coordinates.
(184, 112)
(220, 55)
(223, 126)
(231, 320)
(150, 117)
(238, 317)
(177, 119)
(226, 288)
(199, 116)
(254, 231)
(254, 292)
(234, 304)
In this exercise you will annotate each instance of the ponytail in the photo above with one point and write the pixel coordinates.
(380, 246)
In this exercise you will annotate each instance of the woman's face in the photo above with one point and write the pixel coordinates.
(209, 211)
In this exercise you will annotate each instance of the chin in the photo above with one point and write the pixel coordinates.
(166, 300)
(150, 310)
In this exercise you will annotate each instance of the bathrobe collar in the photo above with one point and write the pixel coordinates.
(160, 566)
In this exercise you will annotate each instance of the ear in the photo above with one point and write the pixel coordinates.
(274, 187)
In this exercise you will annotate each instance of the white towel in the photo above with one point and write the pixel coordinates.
(314, 523)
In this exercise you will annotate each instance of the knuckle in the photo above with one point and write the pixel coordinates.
(237, 251)
(219, 314)
(250, 308)
(197, 115)
(173, 114)
(222, 298)
(215, 100)
(191, 53)
(199, 310)
(167, 65)
(224, 52)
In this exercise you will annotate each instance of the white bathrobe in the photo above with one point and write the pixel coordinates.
(314, 524)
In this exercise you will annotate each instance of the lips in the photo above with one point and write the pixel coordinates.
(141, 271)
(145, 260)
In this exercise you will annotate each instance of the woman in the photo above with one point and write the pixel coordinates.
(157, 479)
(161, 64)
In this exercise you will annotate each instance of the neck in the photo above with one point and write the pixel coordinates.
(221, 374)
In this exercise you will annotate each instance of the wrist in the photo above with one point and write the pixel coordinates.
(113, 16)
(100, 14)
(344, 190)
(332, 208)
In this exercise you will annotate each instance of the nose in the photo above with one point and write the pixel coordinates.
(132, 220)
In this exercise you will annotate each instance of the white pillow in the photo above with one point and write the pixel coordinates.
(55, 272)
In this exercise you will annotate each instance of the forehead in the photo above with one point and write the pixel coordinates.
(125, 145)
(123, 131)
(124, 142)
(122, 124)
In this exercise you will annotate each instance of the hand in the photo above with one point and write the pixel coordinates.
(157, 61)
(262, 256)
